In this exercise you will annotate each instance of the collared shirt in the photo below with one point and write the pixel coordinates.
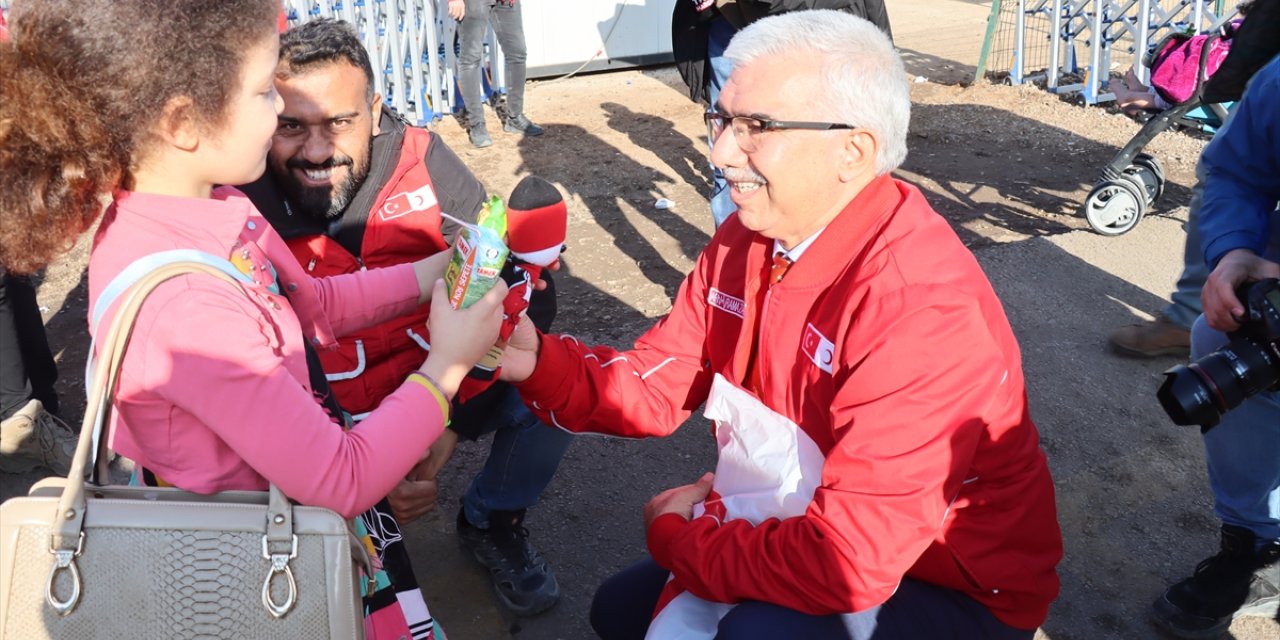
(214, 392)
(798, 250)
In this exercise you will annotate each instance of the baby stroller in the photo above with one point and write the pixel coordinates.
(1132, 182)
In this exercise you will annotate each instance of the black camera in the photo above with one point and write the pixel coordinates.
(1199, 393)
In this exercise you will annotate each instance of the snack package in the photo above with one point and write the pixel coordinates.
(478, 255)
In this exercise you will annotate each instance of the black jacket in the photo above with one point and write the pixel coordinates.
(689, 31)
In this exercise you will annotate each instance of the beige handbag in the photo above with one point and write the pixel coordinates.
(144, 562)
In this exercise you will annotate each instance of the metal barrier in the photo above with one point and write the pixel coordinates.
(412, 46)
(1069, 45)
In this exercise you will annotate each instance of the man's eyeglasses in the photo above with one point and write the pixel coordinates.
(747, 129)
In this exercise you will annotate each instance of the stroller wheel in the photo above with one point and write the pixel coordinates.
(1114, 207)
(1150, 162)
(1150, 183)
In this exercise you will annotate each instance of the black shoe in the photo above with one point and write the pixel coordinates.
(479, 136)
(523, 581)
(521, 124)
(1236, 582)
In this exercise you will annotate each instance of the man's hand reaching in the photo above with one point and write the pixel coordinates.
(440, 452)
(678, 500)
(415, 495)
(418, 492)
(521, 354)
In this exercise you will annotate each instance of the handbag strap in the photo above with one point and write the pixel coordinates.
(118, 285)
(146, 264)
(66, 531)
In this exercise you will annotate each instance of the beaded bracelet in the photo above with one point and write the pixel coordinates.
(434, 387)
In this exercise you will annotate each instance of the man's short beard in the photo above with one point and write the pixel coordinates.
(323, 203)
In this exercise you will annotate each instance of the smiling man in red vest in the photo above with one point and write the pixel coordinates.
(879, 475)
(350, 185)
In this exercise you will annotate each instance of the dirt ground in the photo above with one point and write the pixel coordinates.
(1003, 164)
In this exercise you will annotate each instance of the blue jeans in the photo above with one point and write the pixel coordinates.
(523, 459)
(1242, 451)
(508, 28)
(1185, 302)
(623, 606)
(718, 36)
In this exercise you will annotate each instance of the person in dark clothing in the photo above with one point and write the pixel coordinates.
(31, 434)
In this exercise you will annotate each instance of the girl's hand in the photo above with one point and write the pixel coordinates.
(459, 338)
(428, 270)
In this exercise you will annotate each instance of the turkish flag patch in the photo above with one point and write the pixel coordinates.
(819, 349)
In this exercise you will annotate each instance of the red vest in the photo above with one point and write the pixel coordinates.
(403, 226)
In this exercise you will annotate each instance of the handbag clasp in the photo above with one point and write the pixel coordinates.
(64, 559)
(279, 564)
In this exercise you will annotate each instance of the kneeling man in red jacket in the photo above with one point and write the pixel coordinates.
(878, 473)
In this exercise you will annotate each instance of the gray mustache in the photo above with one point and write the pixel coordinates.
(743, 175)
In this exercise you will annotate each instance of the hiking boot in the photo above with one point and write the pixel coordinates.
(521, 124)
(1159, 337)
(1237, 582)
(32, 438)
(524, 583)
(479, 135)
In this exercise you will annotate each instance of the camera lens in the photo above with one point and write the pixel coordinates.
(1201, 392)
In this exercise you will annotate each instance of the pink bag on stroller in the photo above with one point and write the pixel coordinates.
(1176, 63)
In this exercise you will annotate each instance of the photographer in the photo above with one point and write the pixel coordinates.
(1240, 235)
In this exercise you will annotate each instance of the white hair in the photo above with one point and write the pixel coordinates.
(862, 75)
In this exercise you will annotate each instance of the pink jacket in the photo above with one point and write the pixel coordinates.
(215, 393)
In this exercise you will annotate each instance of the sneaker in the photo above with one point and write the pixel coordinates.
(479, 136)
(1160, 337)
(524, 583)
(521, 124)
(1237, 582)
(32, 438)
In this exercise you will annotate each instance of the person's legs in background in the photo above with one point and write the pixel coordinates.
(1244, 474)
(523, 459)
(1170, 333)
(30, 433)
(718, 35)
(471, 50)
(508, 27)
(15, 385)
(37, 357)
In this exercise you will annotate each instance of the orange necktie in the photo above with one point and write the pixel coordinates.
(778, 269)
(780, 265)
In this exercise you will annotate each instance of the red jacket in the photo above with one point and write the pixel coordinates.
(403, 224)
(887, 345)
